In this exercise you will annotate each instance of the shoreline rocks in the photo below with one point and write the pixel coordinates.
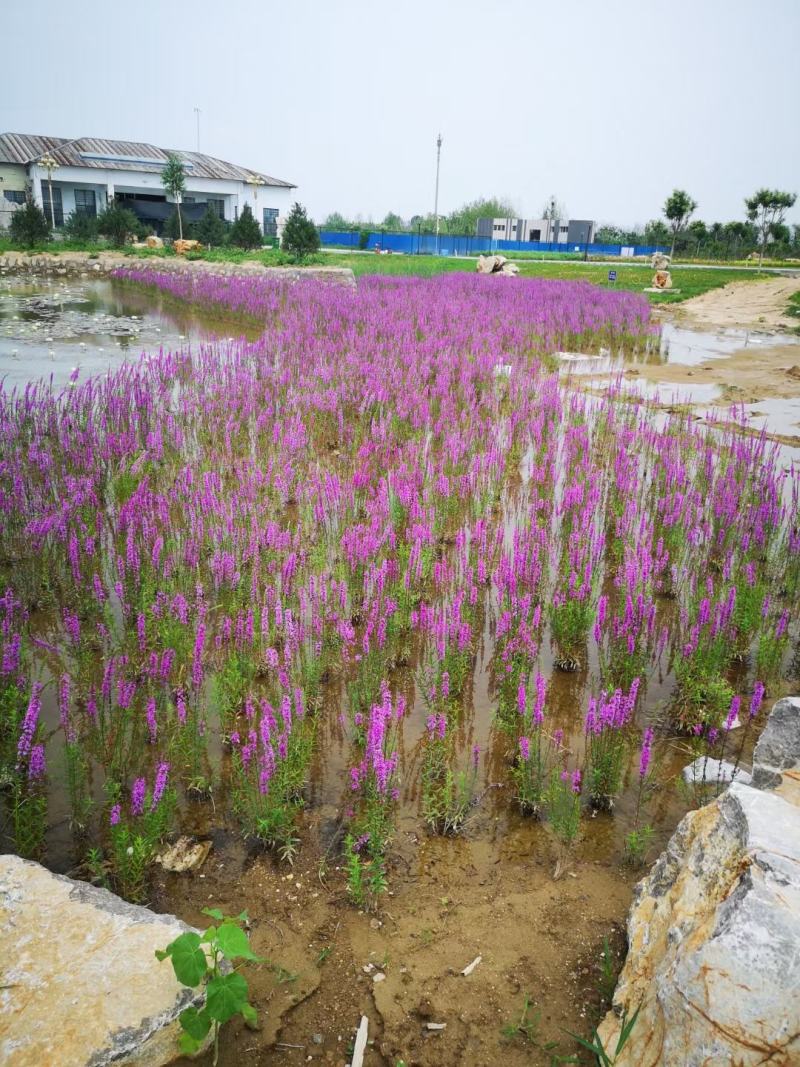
(713, 932)
(81, 984)
(94, 264)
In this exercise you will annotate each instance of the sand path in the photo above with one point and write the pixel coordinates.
(750, 305)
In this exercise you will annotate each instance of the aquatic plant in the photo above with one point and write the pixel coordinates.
(216, 556)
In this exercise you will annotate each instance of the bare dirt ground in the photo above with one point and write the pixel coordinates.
(750, 305)
(747, 376)
(766, 371)
(491, 894)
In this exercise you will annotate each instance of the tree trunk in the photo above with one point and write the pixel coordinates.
(180, 222)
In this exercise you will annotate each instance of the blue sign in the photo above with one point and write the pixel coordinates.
(612, 275)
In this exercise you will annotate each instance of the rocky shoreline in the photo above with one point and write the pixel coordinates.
(713, 966)
(94, 264)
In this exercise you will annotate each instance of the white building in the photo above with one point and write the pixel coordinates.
(86, 173)
(547, 231)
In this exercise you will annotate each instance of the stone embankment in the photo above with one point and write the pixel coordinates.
(91, 264)
(714, 930)
(80, 982)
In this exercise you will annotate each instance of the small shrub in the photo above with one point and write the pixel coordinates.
(117, 224)
(211, 229)
(29, 226)
(245, 232)
(300, 235)
(81, 227)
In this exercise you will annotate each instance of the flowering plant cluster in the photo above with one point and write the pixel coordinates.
(357, 523)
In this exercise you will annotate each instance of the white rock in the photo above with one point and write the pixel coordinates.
(714, 930)
(712, 771)
(81, 984)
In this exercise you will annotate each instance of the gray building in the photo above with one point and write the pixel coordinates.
(547, 231)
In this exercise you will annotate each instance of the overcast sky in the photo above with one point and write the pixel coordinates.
(608, 104)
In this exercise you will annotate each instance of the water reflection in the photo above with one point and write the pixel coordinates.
(50, 327)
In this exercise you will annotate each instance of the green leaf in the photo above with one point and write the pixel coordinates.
(249, 1014)
(195, 1023)
(214, 913)
(188, 959)
(225, 996)
(187, 1044)
(233, 942)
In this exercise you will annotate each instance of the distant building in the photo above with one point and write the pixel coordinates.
(90, 172)
(546, 231)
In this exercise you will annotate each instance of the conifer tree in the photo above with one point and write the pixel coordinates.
(300, 235)
(245, 232)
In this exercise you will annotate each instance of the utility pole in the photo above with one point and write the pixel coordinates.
(436, 201)
(197, 115)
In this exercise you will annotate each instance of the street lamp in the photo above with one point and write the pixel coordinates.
(436, 200)
(255, 180)
(50, 165)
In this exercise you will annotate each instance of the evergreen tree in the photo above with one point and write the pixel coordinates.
(176, 230)
(300, 235)
(29, 226)
(245, 232)
(173, 178)
(117, 224)
(80, 227)
(211, 228)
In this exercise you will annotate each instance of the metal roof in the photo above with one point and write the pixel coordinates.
(98, 152)
(22, 147)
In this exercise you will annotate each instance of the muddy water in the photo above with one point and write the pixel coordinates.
(57, 327)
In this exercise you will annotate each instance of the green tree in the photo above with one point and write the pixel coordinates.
(245, 232)
(117, 224)
(80, 227)
(678, 210)
(337, 222)
(176, 230)
(656, 232)
(465, 219)
(393, 222)
(173, 178)
(211, 228)
(767, 208)
(29, 226)
(300, 235)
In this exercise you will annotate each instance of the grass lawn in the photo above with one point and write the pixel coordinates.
(692, 281)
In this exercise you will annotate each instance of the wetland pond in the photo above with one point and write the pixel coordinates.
(240, 572)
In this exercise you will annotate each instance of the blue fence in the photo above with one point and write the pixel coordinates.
(426, 244)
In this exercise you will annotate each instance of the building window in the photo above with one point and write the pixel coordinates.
(14, 196)
(564, 229)
(218, 206)
(57, 209)
(85, 203)
(270, 222)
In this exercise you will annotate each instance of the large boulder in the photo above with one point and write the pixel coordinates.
(713, 963)
(81, 985)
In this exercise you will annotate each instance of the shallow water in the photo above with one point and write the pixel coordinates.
(55, 327)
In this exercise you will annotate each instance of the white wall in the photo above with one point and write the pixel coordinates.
(107, 183)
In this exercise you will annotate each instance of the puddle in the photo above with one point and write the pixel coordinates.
(53, 327)
(692, 347)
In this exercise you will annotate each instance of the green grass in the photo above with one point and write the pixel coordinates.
(691, 281)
